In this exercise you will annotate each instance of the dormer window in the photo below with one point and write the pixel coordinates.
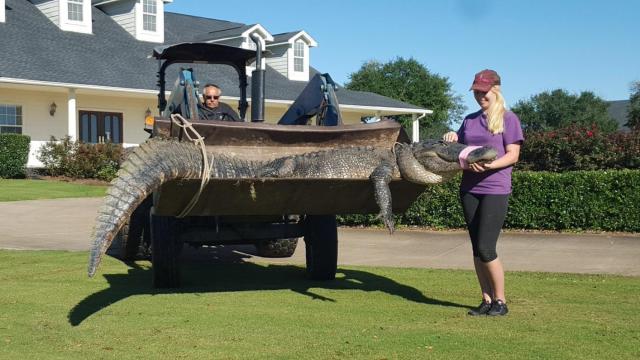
(298, 56)
(74, 10)
(143, 19)
(290, 54)
(149, 14)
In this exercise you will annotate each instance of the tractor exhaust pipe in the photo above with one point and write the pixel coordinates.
(257, 84)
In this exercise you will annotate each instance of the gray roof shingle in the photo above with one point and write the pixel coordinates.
(34, 48)
(279, 38)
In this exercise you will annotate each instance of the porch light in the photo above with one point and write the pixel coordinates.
(52, 108)
(148, 120)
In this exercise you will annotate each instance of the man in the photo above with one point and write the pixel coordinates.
(211, 107)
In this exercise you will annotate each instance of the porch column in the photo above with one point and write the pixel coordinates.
(72, 125)
(415, 129)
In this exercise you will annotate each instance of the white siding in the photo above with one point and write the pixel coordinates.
(129, 15)
(123, 13)
(2, 16)
(278, 59)
(57, 12)
(50, 8)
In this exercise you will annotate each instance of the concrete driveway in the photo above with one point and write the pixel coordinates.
(65, 224)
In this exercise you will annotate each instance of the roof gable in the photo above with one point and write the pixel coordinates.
(291, 37)
(240, 31)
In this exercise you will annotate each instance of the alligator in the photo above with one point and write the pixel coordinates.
(158, 161)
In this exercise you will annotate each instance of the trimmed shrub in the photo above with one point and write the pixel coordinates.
(579, 200)
(14, 155)
(56, 155)
(79, 160)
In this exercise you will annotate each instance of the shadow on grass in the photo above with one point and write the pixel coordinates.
(222, 270)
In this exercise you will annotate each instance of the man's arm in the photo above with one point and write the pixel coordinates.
(229, 113)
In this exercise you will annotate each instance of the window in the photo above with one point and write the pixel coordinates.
(10, 119)
(298, 56)
(149, 12)
(251, 45)
(100, 127)
(75, 10)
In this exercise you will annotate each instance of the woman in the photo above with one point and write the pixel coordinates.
(485, 188)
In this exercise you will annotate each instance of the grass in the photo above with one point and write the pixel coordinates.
(17, 190)
(50, 309)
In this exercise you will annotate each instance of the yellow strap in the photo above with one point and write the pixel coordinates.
(207, 166)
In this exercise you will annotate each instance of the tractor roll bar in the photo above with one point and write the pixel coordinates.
(204, 53)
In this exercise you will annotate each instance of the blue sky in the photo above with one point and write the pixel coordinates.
(534, 45)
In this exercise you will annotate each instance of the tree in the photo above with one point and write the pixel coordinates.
(633, 117)
(411, 82)
(559, 109)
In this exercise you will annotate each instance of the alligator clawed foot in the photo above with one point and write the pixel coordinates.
(387, 220)
(390, 225)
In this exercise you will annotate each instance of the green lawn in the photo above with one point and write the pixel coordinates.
(50, 309)
(16, 190)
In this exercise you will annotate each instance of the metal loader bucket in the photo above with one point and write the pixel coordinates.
(273, 196)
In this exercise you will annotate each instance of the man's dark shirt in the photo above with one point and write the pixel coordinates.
(223, 112)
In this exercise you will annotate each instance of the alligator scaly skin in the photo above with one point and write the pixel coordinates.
(158, 161)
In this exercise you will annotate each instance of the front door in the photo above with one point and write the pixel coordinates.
(100, 127)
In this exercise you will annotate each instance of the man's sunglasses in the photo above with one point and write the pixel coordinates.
(211, 97)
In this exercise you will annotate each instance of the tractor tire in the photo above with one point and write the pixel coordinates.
(132, 242)
(321, 244)
(116, 249)
(166, 247)
(278, 248)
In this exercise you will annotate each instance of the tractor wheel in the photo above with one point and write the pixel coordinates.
(132, 241)
(165, 251)
(116, 249)
(321, 240)
(278, 248)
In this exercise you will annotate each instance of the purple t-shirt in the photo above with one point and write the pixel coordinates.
(474, 132)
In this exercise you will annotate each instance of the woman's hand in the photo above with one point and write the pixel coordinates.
(478, 167)
(451, 136)
(510, 157)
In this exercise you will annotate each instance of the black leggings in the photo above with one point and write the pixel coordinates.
(485, 216)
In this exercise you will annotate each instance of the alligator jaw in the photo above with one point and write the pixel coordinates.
(484, 153)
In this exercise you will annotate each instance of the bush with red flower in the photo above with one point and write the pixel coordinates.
(580, 148)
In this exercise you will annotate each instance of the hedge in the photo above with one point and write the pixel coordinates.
(577, 200)
(14, 154)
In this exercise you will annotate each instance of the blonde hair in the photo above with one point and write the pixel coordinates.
(495, 113)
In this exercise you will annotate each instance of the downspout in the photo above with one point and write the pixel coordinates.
(257, 84)
(415, 130)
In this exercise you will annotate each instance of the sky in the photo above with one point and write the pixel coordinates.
(535, 46)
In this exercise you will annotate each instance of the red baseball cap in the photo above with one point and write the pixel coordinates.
(484, 80)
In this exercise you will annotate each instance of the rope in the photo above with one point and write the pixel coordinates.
(207, 166)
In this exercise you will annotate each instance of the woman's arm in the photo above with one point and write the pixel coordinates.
(509, 158)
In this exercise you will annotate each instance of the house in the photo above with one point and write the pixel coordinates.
(83, 68)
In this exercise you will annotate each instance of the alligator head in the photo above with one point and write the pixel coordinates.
(433, 161)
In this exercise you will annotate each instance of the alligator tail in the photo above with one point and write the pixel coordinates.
(148, 167)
